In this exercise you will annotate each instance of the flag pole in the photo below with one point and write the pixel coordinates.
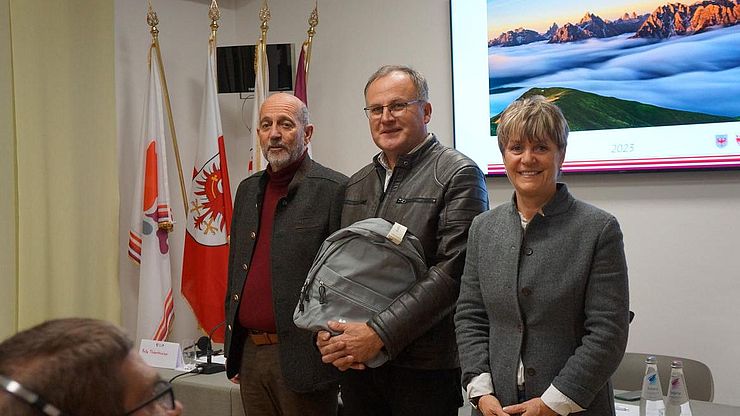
(264, 18)
(215, 15)
(262, 42)
(313, 21)
(261, 49)
(152, 20)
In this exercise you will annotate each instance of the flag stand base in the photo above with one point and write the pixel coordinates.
(211, 368)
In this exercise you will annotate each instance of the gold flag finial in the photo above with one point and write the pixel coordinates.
(313, 21)
(215, 15)
(264, 18)
(152, 20)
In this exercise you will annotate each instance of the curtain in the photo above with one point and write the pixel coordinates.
(8, 287)
(63, 248)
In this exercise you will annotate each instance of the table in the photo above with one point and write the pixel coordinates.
(214, 395)
(697, 408)
(205, 394)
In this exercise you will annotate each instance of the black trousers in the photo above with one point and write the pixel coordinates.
(396, 391)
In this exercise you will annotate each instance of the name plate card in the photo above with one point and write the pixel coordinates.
(161, 354)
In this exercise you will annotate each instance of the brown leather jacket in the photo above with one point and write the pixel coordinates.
(435, 192)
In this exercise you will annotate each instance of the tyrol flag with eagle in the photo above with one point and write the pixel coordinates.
(205, 259)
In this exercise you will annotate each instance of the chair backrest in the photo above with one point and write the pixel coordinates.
(699, 381)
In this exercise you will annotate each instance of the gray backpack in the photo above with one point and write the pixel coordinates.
(358, 271)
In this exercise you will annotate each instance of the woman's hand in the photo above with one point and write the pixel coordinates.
(489, 405)
(533, 407)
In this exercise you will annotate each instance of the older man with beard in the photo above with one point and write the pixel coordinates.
(281, 216)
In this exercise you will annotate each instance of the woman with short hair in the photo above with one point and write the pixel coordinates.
(542, 317)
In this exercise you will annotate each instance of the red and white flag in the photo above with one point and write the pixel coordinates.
(205, 259)
(257, 161)
(301, 90)
(151, 219)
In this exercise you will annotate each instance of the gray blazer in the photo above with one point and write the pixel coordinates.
(303, 219)
(556, 294)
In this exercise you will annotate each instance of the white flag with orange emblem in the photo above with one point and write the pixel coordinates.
(151, 219)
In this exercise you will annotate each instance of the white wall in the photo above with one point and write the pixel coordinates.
(680, 228)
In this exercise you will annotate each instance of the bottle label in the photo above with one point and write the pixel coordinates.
(651, 388)
(676, 388)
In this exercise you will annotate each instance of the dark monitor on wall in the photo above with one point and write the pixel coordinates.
(236, 67)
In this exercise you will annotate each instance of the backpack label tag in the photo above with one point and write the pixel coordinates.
(396, 233)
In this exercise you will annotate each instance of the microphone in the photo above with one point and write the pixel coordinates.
(204, 344)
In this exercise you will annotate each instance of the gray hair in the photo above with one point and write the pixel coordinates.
(420, 83)
(533, 118)
(303, 116)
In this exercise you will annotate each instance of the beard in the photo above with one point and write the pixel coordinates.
(285, 156)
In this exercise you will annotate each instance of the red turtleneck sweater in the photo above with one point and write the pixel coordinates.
(256, 311)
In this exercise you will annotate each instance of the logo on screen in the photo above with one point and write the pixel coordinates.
(737, 139)
(720, 140)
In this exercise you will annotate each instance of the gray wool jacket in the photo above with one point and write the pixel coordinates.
(303, 219)
(556, 295)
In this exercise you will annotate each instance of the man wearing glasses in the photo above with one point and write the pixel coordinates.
(435, 192)
(78, 367)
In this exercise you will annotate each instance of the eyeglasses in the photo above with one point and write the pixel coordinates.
(396, 109)
(163, 397)
(28, 396)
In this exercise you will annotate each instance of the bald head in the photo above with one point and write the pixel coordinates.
(284, 130)
(290, 100)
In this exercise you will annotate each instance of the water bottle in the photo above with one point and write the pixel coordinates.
(678, 398)
(651, 398)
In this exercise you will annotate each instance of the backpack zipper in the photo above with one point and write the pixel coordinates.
(322, 294)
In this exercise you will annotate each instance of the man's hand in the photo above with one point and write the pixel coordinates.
(489, 405)
(533, 407)
(333, 352)
(355, 344)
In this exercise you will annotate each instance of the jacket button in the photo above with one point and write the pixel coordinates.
(531, 372)
(284, 202)
(526, 291)
(252, 235)
(520, 328)
(529, 251)
(235, 297)
(245, 267)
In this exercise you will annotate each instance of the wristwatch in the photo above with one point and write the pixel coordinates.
(474, 401)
